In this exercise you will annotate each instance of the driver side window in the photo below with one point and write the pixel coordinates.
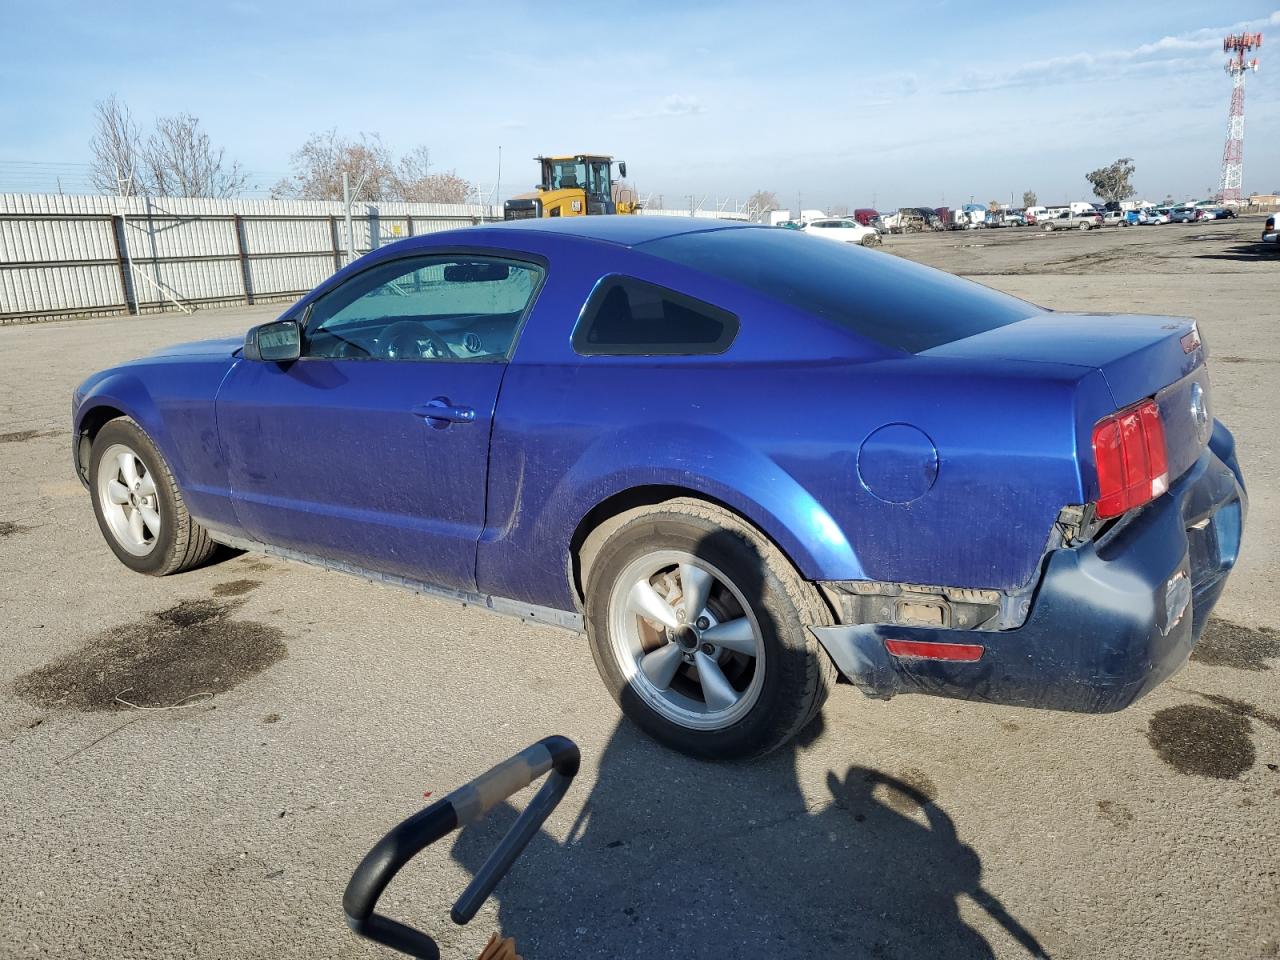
(425, 308)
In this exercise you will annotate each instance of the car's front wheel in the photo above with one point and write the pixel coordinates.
(139, 507)
(871, 240)
(698, 627)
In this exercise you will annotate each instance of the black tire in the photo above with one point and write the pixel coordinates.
(797, 672)
(871, 240)
(181, 543)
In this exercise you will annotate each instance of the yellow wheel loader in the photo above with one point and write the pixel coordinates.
(574, 186)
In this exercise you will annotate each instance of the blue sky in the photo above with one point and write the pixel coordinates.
(839, 103)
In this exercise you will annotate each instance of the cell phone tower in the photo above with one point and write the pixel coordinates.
(1236, 44)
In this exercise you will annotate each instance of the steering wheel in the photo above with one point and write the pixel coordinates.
(402, 340)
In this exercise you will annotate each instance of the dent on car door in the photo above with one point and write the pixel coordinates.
(372, 448)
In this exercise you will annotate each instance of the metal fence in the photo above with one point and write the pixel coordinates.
(73, 256)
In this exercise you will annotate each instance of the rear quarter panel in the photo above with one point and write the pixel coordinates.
(777, 440)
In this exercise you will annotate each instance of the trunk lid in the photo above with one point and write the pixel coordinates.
(1138, 356)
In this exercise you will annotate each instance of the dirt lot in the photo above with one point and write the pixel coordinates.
(912, 828)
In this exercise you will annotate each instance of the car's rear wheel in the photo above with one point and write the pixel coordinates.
(1048, 228)
(698, 627)
(138, 505)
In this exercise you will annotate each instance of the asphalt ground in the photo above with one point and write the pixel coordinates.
(327, 708)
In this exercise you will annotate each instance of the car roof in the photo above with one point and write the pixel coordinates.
(627, 230)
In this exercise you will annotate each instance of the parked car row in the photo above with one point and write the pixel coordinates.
(1079, 215)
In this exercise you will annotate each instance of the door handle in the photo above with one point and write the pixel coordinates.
(440, 413)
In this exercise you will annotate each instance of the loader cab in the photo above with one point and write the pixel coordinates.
(574, 186)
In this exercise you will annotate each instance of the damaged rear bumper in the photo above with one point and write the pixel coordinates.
(1111, 619)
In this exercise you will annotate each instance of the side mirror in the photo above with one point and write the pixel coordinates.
(277, 342)
(622, 169)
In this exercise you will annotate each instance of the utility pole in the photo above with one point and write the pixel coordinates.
(346, 206)
(348, 197)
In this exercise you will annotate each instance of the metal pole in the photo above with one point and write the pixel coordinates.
(346, 202)
(124, 188)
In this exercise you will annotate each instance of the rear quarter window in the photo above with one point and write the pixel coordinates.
(886, 299)
(629, 317)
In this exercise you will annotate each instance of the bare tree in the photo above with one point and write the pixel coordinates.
(762, 201)
(116, 148)
(416, 182)
(176, 160)
(181, 162)
(319, 164)
(1029, 198)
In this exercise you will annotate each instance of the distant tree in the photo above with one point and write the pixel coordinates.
(116, 149)
(176, 160)
(762, 201)
(416, 182)
(318, 166)
(993, 206)
(1029, 198)
(1113, 183)
(181, 162)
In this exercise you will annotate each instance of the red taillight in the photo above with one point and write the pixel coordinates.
(1131, 457)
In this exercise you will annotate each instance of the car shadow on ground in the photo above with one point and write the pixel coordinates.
(1250, 252)
(672, 856)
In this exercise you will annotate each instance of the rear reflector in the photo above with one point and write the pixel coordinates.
(927, 650)
(1132, 460)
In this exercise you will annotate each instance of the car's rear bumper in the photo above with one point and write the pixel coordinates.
(1111, 619)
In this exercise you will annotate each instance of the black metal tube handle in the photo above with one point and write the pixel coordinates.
(467, 804)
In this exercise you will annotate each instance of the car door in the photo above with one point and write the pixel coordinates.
(372, 448)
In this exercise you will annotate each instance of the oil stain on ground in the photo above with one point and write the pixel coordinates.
(22, 435)
(1115, 812)
(1242, 708)
(235, 588)
(9, 528)
(162, 659)
(1206, 741)
(918, 781)
(1227, 644)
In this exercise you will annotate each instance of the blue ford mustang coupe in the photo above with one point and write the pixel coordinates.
(744, 460)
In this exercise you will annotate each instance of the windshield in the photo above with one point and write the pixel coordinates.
(567, 175)
(893, 302)
(576, 174)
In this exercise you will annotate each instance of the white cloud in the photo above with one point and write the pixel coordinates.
(678, 104)
(672, 105)
(1156, 57)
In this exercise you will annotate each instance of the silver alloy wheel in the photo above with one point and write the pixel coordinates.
(128, 499)
(686, 640)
